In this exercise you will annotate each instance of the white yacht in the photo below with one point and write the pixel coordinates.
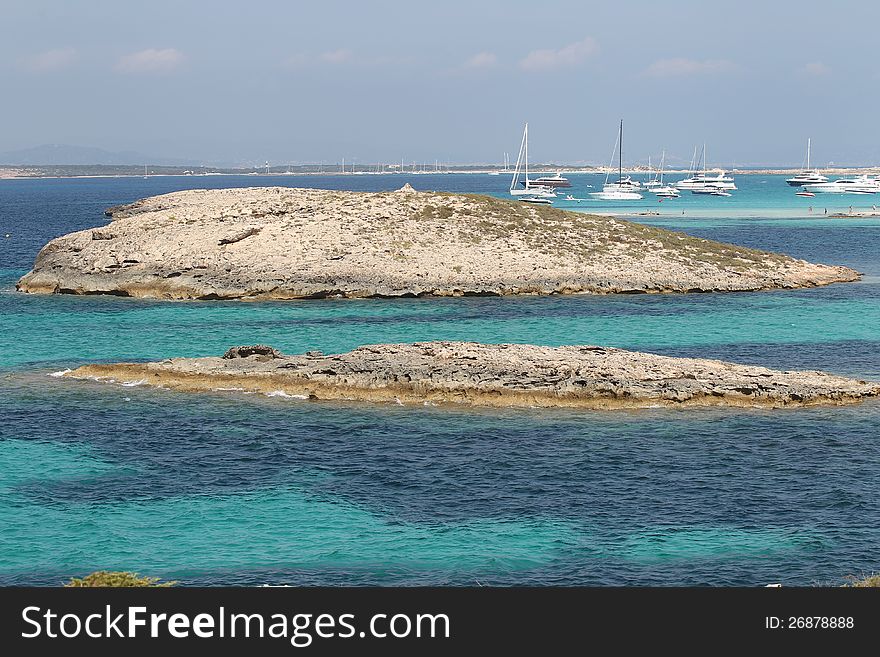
(807, 176)
(711, 190)
(529, 188)
(662, 190)
(666, 191)
(551, 181)
(616, 195)
(506, 168)
(859, 185)
(625, 189)
(653, 180)
(537, 200)
(702, 179)
(625, 183)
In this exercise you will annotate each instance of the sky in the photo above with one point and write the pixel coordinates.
(450, 80)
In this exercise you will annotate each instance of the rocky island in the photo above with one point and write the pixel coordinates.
(283, 243)
(491, 375)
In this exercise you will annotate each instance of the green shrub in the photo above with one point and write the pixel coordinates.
(106, 578)
(865, 582)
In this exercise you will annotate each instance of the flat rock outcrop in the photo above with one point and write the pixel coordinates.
(283, 243)
(492, 375)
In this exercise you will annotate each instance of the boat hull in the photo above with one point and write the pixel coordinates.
(794, 182)
(616, 196)
(830, 188)
(550, 183)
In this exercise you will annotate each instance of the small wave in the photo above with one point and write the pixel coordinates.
(281, 393)
(132, 384)
(60, 373)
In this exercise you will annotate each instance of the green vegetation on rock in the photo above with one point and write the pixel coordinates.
(106, 578)
(870, 581)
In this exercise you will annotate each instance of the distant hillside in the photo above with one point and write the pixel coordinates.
(60, 154)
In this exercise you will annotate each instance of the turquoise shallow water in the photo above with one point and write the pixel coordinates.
(229, 489)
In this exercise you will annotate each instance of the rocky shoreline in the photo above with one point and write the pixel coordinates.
(505, 375)
(283, 243)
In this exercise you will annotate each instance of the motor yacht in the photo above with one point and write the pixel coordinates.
(807, 176)
(551, 181)
(859, 185)
(702, 179)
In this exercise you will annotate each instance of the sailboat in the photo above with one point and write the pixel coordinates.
(702, 182)
(653, 176)
(528, 190)
(625, 188)
(807, 176)
(506, 168)
(661, 190)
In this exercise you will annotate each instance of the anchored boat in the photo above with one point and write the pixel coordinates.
(625, 189)
(807, 176)
(529, 188)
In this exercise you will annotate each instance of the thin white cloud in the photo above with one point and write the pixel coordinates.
(681, 66)
(304, 60)
(151, 60)
(342, 57)
(336, 56)
(51, 60)
(299, 60)
(482, 60)
(570, 55)
(817, 69)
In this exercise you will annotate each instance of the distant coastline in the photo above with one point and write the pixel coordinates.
(14, 171)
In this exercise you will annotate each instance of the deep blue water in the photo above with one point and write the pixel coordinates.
(227, 489)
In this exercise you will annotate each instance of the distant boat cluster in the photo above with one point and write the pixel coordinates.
(700, 180)
(812, 182)
(543, 190)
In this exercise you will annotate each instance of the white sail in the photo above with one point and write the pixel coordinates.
(522, 160)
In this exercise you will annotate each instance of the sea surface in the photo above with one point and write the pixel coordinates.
(232, 489)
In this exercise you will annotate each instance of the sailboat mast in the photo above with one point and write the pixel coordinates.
(809, 139)
(620, 154)
(519, 160)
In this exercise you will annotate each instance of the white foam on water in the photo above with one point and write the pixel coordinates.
(281, 393)
(132, 384)
(228, 389)
(60, 373)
